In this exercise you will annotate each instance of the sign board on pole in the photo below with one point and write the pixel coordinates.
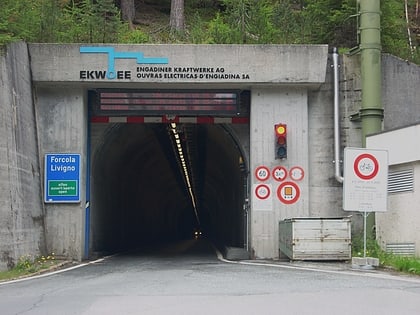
(62, 177)
(365, 180)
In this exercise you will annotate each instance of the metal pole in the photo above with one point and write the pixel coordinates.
(364, 233)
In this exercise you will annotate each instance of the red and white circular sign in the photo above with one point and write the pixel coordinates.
(297, 173)
(366, 166)
(288, 192)
(279, 173)
(262, 191)
(262, 173)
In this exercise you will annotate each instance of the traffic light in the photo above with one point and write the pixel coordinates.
(281, 141)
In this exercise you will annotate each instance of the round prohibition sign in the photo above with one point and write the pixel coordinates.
(262, 173)
(262, 191)
(366, 166)
(297, 173)
(288, 192)
(279, 173)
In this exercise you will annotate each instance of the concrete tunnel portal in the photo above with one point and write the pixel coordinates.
(139, 195)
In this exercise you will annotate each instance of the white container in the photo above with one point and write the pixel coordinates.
(315, 238)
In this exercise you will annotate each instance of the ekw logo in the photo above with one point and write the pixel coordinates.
(112, 55)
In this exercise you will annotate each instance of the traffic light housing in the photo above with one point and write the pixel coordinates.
(281, 141)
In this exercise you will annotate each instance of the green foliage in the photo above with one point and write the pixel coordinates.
(135, 37)
(332, 22)
(250, 21)
(220, 32)
(50, 20)
(28, 264)
(286, 20)
(407, 264)
(328, 21)
(197, 30)
(400, 263)
(61, 21)
(394, 31)
(91, 22)
(105, 22)
(19, 20)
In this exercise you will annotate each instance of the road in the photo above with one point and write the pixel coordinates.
(190, 279)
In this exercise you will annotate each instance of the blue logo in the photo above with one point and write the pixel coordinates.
(112, 55)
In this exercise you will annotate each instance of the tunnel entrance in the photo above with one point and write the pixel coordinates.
(140, 195)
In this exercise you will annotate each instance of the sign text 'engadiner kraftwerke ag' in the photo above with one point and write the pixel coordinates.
(151, 68)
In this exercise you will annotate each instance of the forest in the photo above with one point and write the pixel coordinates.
(333, 22)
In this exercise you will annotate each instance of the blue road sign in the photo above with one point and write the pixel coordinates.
(62, 177)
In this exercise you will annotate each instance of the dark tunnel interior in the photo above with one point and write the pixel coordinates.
(139, 195)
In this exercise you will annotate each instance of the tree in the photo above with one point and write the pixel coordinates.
(128, 11)
(177, 17)
(92, 22)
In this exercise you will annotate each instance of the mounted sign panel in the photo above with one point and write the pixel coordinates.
(365, 180)
(62, 178)
(123, 102)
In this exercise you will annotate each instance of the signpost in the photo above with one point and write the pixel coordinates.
(365, 182)
(62, 178)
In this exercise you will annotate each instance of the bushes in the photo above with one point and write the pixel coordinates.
(388, 260)
(332, 22)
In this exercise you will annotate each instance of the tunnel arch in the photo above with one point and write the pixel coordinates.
(138, 193)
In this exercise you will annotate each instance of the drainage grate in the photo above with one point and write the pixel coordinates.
(402, 249)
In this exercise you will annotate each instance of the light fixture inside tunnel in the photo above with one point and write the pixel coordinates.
(184, 165)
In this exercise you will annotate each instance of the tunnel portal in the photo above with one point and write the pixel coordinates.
(140, 195)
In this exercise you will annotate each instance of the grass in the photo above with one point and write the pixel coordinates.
(29, 265)
(404, 264)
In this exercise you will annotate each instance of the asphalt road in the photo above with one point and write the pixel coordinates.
(190, 279)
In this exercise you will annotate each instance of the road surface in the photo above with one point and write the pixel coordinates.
(190, 279)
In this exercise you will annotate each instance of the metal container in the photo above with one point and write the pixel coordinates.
(315, 238)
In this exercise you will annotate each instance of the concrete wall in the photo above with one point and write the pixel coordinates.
(62, 124)
(268, 66)
(21, 211)
(269, 107)
(325, 190)
(400, 92)
(399, 224)
(287, 86)
(247, 64)
(401, 102)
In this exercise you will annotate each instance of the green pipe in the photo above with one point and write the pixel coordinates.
(371, 113)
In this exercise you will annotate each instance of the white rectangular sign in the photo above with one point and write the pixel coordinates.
(365, 180)
(262, 199)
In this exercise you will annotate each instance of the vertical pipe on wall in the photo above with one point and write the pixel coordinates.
(337, 159)
(371, 112)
